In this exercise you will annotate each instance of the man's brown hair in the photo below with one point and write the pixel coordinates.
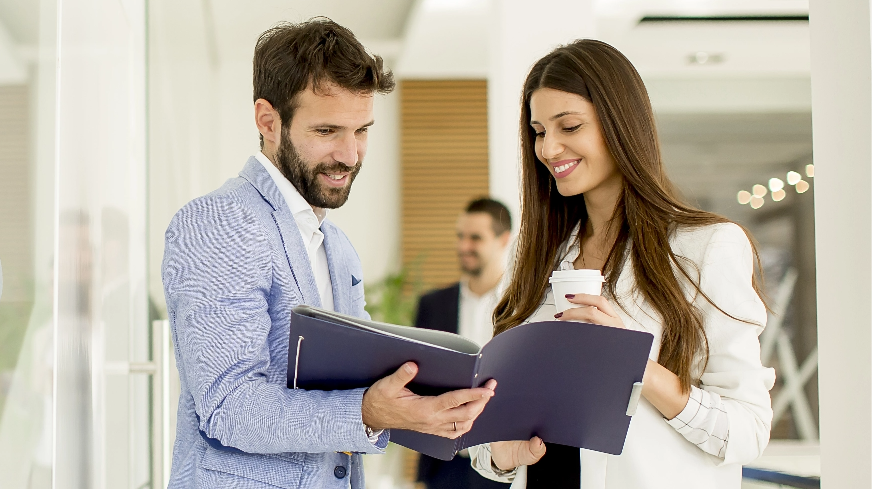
(288, 58)
(501, 218)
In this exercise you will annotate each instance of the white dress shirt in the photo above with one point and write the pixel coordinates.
(309, 223)
(726, 422)
(476, 314)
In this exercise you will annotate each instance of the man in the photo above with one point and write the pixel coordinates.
(466, 308)
(240, 258)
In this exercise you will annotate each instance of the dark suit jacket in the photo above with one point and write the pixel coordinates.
(440, 309)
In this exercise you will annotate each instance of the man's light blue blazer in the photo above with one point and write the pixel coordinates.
(233, 269)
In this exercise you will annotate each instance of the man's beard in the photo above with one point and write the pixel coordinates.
(474, 270)
(304, 176)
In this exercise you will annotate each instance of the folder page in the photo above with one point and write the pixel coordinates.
(566, 382)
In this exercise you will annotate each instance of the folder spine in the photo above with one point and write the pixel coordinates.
(474, 382)
(460, 443)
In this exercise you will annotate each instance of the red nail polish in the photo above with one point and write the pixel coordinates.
(570, 296)
(557, 316)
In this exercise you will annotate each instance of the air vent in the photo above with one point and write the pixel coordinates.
(653, 19)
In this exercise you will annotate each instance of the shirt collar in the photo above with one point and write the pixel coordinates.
(296, 203)
(466, 292)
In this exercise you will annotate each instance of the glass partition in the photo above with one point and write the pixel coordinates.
(74, 400)
(28, 244)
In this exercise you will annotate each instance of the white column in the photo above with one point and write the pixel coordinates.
(841, 61)
(522, 32)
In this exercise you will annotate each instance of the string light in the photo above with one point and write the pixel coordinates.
(776, 188)
(757, 202)
(776, 184)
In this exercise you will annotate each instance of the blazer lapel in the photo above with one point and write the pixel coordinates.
(292, 242)
(339, 274)
(298, 258)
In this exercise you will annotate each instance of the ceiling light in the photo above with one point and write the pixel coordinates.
(793, 177)
(756, 202)
(744, 197)
(801, 186)
(705, 58)
(758, 190)
(809, 171)
(453, 5)
(776, 184)
(778, 195)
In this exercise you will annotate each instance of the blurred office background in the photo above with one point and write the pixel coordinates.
(115, 113)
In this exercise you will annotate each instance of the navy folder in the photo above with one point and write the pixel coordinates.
(569, 383)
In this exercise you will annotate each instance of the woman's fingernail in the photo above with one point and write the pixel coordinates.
(570, 296)
(557, 316)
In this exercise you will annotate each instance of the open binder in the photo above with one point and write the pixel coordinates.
(575, 384)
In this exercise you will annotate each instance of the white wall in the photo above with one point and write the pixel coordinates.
(446, 40)
(511, 57)
(842, 121)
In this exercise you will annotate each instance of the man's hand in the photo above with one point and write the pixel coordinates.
(507, 455)
(389, 404)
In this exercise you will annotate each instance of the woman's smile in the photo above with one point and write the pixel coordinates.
(563, 168)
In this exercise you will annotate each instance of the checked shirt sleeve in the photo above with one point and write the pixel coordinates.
(704, 422)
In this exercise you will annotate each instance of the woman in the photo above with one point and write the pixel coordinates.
(595, 195)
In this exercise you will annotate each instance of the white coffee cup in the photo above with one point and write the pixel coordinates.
(574, 282)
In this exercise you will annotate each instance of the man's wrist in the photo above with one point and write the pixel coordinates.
(364, 414)
(367, 417)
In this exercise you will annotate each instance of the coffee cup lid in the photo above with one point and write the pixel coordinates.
(577, 279)
(581, 273)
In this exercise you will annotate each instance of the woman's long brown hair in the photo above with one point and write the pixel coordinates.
(648, 212)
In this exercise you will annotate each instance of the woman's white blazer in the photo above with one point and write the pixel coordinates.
(656, 455)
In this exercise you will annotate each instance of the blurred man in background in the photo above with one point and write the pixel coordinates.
(466, 308)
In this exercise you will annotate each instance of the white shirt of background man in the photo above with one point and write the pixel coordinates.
(309, 224)
(476, 314)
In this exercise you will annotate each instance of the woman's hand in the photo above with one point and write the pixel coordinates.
(595, 309)
(507, 455)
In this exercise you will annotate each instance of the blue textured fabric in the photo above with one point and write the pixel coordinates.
(234, 267)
